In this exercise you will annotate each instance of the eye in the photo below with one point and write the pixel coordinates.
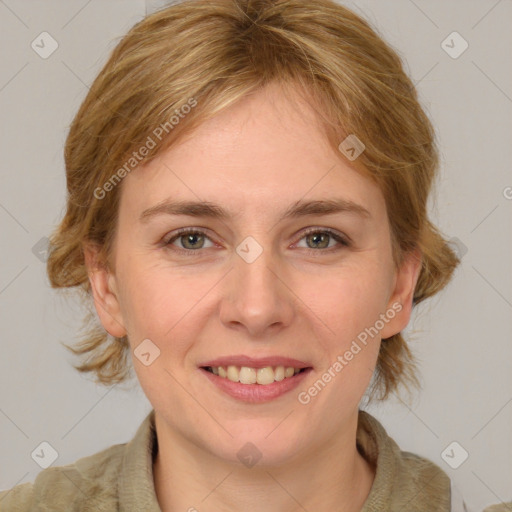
(317, 238)
(193, 239)
(190, 239)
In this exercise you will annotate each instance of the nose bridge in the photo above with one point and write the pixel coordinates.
(252, 269)
(257, 297)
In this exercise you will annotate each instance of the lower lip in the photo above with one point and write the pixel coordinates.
(256, 393)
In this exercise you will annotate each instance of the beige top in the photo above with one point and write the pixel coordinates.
(120, 478)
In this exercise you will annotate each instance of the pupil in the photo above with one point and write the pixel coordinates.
(192, 239)
(318, 236)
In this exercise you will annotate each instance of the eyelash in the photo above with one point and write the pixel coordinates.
(343, 241)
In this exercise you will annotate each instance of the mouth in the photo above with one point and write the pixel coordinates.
(249, 375)
(255, 385)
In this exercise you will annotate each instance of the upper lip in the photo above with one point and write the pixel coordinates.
(253, 362)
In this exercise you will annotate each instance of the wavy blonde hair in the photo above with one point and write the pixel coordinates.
(217, 52)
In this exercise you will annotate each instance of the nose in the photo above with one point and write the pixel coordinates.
(256, 297)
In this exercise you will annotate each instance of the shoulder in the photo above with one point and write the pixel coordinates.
(421, 470)
(86, 485)
(419, 484)
(420, 477)
(502, 507)
(403, 480)
(18, 498)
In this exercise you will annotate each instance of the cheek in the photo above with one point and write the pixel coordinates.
(158, 303)
(347, 300)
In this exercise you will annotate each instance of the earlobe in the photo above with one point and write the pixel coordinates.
(400, 302)
(104, 292)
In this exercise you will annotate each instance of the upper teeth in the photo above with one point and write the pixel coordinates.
(247, 375)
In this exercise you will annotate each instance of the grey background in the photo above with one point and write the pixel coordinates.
(461, 338)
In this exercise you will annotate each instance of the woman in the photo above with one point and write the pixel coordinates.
(247, 185)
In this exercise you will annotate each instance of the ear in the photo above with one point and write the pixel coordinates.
(104, 291)
(400, 301)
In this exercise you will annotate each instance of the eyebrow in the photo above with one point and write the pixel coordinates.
(300, 208)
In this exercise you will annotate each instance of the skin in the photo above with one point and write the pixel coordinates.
(299, 299)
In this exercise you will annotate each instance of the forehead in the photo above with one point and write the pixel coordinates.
(267, 151)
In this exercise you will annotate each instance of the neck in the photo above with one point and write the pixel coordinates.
(187, 478)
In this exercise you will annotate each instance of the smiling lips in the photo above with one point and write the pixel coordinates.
(254, 373)
(247, 370)
(256, 362)
(253, 392)
(247, 375)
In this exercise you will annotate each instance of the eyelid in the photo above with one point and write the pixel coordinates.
(167, 240)
(342, 239)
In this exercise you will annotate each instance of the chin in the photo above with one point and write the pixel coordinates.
(263, 445)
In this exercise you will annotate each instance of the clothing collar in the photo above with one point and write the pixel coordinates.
(136, 484)
(397, 474)
(373, 443)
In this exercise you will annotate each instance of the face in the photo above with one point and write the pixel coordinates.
(254, 282)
